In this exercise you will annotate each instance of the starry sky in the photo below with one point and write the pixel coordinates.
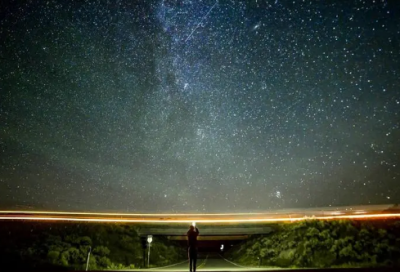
(199, 106)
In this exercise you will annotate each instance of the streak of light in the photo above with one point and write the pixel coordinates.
(360, 212)
(129, 214)
(248, 220)
(336, 213)
(197, 26)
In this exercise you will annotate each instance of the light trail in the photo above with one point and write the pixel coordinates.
(197, 26)
(288, 215)
(325, 210)
(210, 221)
(130, 214)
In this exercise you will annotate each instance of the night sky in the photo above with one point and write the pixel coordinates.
(199, 106)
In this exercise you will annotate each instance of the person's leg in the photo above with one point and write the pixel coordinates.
(191, 264)
(190, 260)
(194, 260)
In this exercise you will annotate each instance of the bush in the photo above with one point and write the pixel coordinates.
(323, 244)
(67, 246)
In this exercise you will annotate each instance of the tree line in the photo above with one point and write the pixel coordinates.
(65, 246)
(323, 244)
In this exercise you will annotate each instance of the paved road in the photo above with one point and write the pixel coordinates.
(215, 262)
(206, 262)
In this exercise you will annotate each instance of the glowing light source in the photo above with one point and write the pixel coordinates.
(336, 213)
(194, 224)
(360, 212)
(149, 240)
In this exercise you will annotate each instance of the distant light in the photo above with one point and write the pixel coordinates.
(336, 213)
(149, 239)
(194, 224)
(360, 212)
(222, 247)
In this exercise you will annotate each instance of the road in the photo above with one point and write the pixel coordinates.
(206, 262)
(215, 262)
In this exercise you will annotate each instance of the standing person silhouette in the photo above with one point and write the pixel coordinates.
(192, 247)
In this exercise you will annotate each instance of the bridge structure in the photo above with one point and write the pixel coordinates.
(207, 232)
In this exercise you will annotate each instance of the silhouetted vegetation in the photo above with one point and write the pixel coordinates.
(323, 244)
(66, 246)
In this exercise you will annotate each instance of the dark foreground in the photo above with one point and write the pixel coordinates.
(213, 262)
(50, 246)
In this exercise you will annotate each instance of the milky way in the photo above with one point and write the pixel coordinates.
(201, 106)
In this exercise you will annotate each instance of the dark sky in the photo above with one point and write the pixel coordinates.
(199, 106)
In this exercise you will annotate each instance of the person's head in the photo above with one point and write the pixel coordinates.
(191, 227)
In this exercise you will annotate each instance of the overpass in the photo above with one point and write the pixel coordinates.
(206, 230)
(207, 233)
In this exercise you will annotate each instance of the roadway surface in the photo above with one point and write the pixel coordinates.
(207, 262)
(215, 262)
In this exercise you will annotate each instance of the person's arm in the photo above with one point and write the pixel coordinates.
(197, 230)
